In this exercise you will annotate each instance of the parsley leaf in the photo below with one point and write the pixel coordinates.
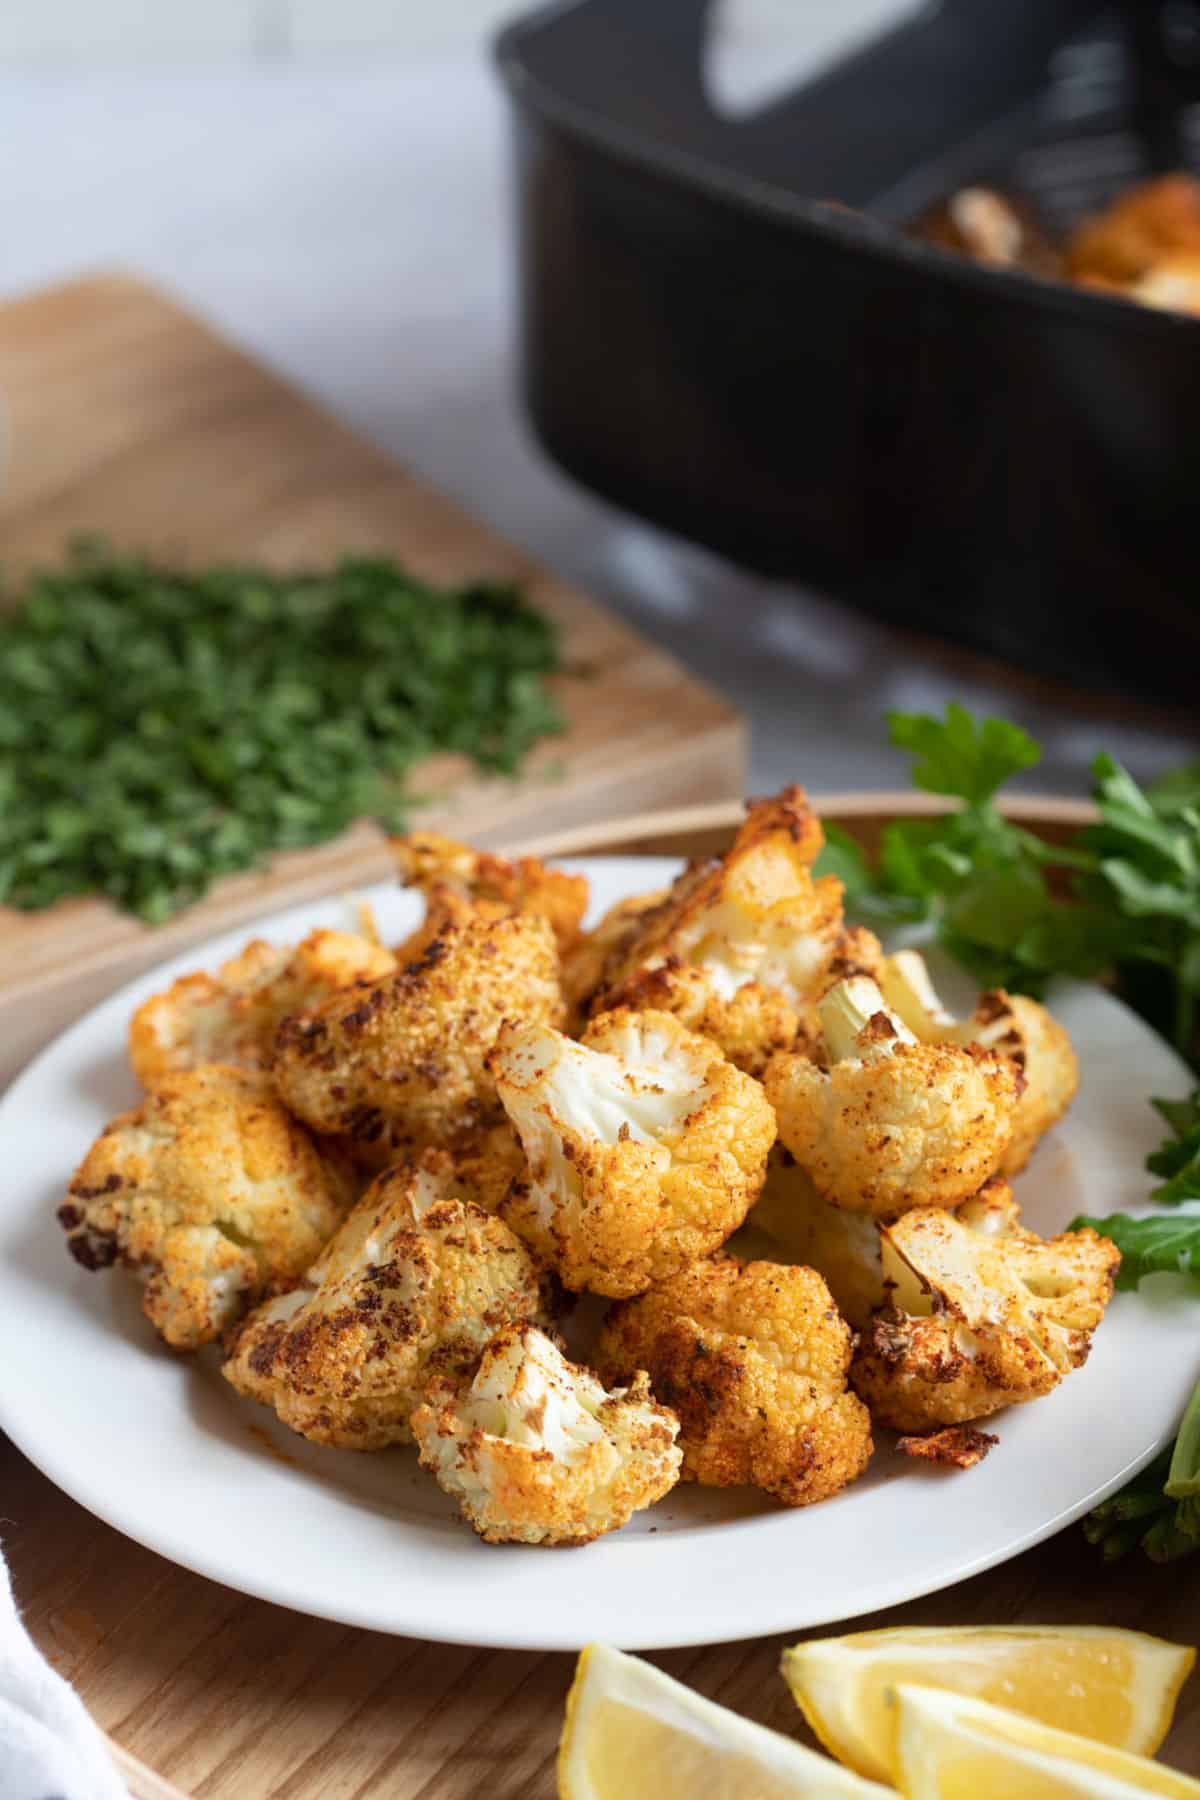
(1165, 1243)
(1143, 1513)
(162, 727)
(958, 755)
(842, 856)
(1178, 1159)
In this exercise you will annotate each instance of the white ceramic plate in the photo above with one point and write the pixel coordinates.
(161, 1448)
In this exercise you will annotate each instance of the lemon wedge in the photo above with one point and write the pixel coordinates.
(1119, 1687)
(631, 1731)
(949, 1747)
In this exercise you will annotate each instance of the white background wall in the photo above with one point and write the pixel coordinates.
(107, 31)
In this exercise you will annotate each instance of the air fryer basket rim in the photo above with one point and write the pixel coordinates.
(819, 219)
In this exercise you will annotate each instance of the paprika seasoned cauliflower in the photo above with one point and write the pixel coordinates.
(753, 1357)
(404, 1059)
(211, 1193)
(1012, 1025)
(740, 945)
(978, 1320)
(844, 1247)
(583, 965)
(645, 1147)
(440, 867)
(892, 1123)
(536, 1452)
(486, 1153)
(411, 1287)
(488, 1160)
(232, 1016)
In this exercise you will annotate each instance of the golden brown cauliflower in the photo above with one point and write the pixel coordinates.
(411, 1287)
(1012, 1025)
(978, 1320)
(583, 965)
(232, 1016)
(405, 1058)
(486, 1153)
(753, 1357)
(536, 1452)
(441, 867)
(892, 1123)
(488, 1160)
(740, 944)
(843, 1247)
(645, 1147)
(211, 1193)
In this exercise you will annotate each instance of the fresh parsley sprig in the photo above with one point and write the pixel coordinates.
(1163, 1243)
(161, 727)
(1179, 1157)
(1121, 896)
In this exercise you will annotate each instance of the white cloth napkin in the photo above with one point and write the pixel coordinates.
(49, 1747)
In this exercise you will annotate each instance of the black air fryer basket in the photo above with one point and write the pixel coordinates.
(711, 338)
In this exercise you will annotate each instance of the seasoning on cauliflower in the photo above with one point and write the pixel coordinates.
(645, 1147)
(978, 1320)
(231, 1017)
(953, 1447)
(892, 1123)
(753, 1357)
(741, 944)
(536, 1452)
(583, 965)
(843, 1247)
(488, 1160)
(404, 1059)
(1010, 1024)
(411, 1287)
(440, 867)
(211, 1193)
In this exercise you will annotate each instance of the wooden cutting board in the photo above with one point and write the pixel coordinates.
(227, 1698)
(129, 417)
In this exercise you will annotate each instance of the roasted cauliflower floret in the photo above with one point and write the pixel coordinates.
(843, 1247)
(583, 965)
(232, 1016)
(488, 1161)
(741, 944)
(411, 1287)
(210, 1192)
(978, 1320)
(892, 1123)
(753, 1357)
(645, 1147)
(536, 1452)
(405, 1058)
(1012, 1025)
(438, 865)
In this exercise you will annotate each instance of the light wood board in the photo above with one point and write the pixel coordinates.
(228, 1698)
(127, 416)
